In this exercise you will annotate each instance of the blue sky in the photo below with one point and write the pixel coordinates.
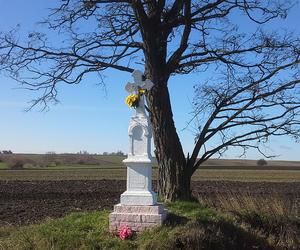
(90, 117)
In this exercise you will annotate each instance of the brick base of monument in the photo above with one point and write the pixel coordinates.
(138, 218)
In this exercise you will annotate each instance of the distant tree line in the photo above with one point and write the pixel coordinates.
(118, 153)
(6, 152)
(85, 152)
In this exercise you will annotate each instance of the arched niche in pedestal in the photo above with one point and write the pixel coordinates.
(140, 139)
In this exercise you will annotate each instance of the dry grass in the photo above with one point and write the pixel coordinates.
(272, 218)
(243, 203)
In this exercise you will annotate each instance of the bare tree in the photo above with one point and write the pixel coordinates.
(261, 163)
(256, 97)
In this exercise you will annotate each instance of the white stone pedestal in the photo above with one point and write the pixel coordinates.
(138, 208)
(139, 182)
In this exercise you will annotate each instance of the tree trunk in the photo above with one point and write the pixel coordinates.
(174, 177)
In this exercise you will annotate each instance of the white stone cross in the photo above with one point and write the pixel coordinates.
(134, 88)
(138, 83)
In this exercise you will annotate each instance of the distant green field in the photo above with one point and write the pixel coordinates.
(73, 167)
(248, 175)
(3, 165)
(96, 167)
(120, 174)
(77, 161)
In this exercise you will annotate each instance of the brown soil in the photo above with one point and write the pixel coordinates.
(27, 202)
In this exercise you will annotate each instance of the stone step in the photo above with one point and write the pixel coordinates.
(138, 218)
(151, 209)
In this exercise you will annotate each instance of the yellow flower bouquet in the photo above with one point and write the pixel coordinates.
(132, 100)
